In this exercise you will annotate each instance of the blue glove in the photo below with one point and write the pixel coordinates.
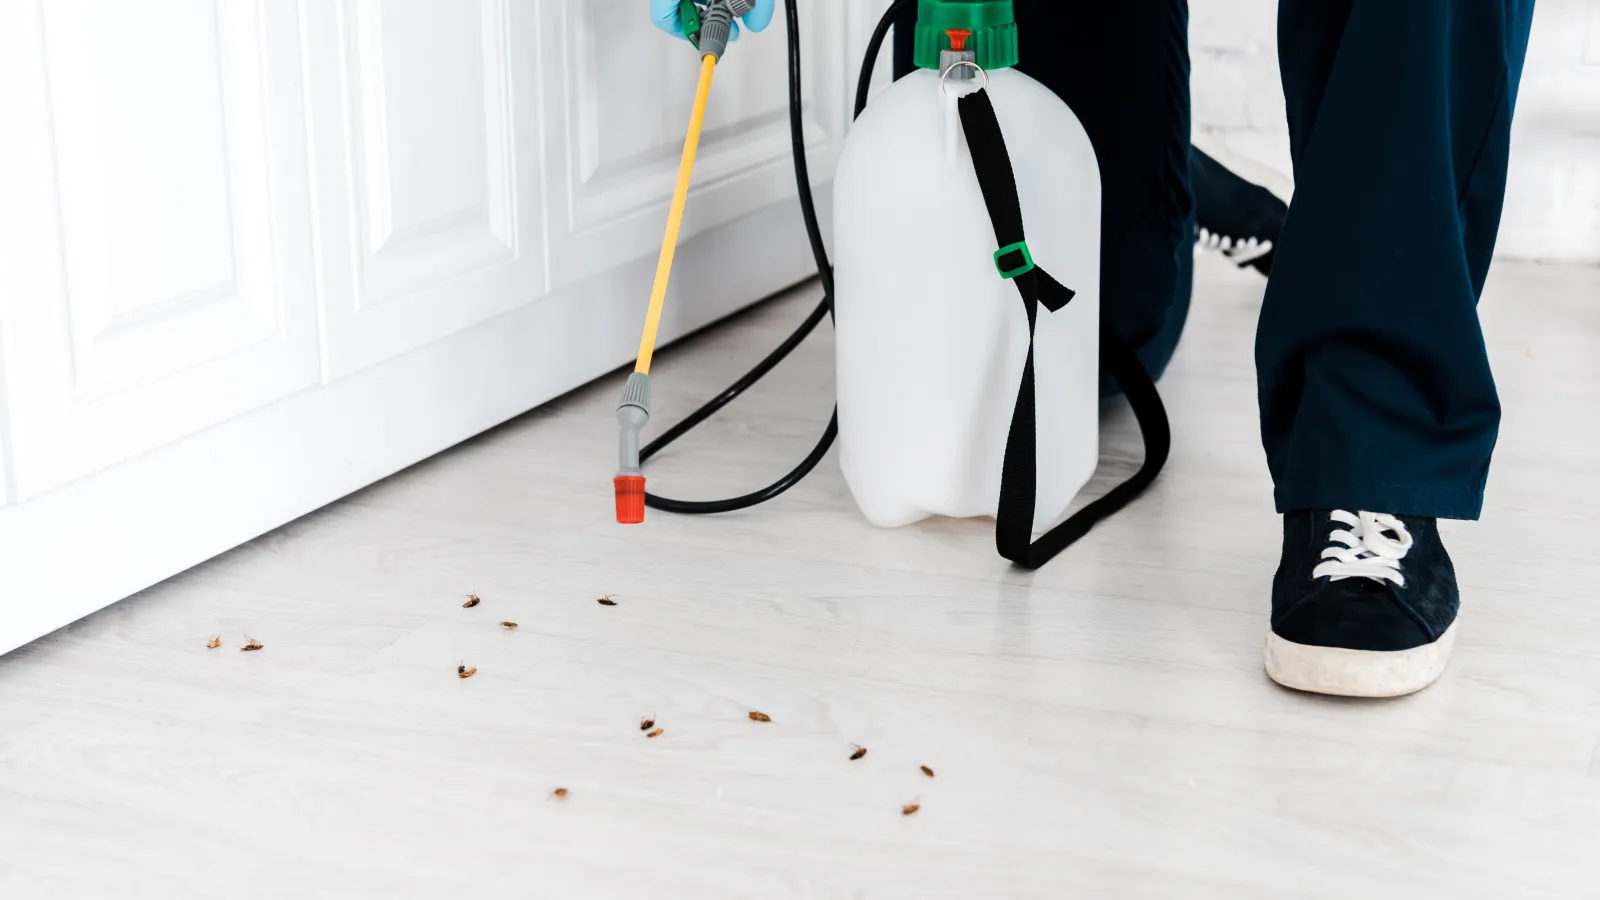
(665, 14)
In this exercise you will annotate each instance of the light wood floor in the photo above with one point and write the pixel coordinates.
(1100, 728)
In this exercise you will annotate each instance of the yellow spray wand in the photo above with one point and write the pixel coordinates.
(680, 197)
(710, 35)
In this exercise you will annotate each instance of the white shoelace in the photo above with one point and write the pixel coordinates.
(1366, 550)
(1241, 251)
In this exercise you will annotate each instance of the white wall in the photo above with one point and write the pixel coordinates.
(1553, 200)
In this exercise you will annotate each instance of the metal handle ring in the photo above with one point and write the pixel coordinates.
(962, 64)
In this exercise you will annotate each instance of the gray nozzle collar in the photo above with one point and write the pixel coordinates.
(716, 29)
(636, 392)
(633, 413)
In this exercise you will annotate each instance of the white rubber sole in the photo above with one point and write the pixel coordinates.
(1358, 673)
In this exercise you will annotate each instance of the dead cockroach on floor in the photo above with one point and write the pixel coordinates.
(509, 626)
(472, 600)
(910, 809)
(214, 643)
(463, 672)
(559, 793)
(647, 723)
(927, 771)
(759, 716)
(251, 644)
(860, 751)
(606, 601)
(656, 733)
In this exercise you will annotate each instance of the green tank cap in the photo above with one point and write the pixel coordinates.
(992, 22)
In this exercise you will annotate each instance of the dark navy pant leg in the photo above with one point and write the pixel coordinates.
(1375, 386)
(1123, 68)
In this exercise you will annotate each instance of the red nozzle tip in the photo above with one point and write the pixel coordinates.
(630, 499)
(958, 38)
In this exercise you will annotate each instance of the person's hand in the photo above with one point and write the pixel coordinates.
(665, 15)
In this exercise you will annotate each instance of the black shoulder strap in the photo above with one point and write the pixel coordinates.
(1019, 478)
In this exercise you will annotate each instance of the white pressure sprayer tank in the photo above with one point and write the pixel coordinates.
(932, 336)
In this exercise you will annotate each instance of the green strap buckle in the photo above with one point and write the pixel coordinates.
(1019, 248)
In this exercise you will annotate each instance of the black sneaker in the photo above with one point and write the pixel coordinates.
(1241, 219)
(1363, 605)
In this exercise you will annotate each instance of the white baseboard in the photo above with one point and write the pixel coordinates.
(79, 548)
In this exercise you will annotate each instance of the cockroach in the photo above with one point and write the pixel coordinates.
(509, 626)
(606, 601)
(472, 600)
(910, 809)
(759, 717)
(252, 644)
(463, 672)
(656, 733)
(647, 723)
(559, 793)
(214, 643)
(927, 771)
(860, 751)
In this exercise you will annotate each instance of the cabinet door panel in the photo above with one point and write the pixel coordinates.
(161, 280)
(426, 123)
(618, 95)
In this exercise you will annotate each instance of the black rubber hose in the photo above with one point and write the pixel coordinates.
(808, 210)
(868, 65)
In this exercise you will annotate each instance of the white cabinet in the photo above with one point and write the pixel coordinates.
(257, 254)
(616, 101)
(158, 277)
(426, 148)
